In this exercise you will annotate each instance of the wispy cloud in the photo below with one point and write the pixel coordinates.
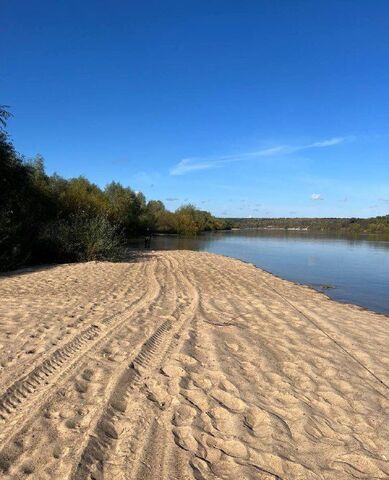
(188, 165)
(316, 196)
(328, 143)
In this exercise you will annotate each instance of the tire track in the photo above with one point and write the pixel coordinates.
(160, 306)
(130, 378)
(27, 386)
(20, 397)
(103, 445)
(87, 313)
(157, 446)
(106, 434)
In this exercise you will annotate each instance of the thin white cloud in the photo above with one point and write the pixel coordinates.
(271, 151)
(188, 165)
(316, 196)
(328, 143)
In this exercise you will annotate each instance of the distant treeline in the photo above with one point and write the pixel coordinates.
(51, 219)
(376, 225)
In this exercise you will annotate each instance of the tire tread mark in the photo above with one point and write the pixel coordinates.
(23, 388)
(97, 450)
(36, 380)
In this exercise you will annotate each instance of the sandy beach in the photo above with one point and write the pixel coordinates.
(184, 365)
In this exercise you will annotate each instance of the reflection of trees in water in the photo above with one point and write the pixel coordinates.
(204, 240)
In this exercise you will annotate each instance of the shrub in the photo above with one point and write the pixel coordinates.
(83, 237)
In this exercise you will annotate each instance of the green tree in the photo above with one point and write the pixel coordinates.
(81, 195)
(153, 214)
(125, 207)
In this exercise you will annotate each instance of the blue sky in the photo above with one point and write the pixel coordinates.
(244, 108)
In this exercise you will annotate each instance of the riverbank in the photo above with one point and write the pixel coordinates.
(180, 364)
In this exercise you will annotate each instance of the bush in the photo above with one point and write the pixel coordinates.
(82, 237)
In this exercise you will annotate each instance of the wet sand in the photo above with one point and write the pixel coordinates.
(187, 365)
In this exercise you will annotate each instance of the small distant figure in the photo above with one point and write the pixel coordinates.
(148, 239)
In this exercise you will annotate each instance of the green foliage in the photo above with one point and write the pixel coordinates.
(83, 237)
(156, 217)
(79, 194)
(379, 225)
(125, 207)
(191, 221)
(24, 206)
(185, 220)
(5, 114)
(353, 226)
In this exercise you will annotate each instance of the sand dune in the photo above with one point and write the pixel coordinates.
(184, 365)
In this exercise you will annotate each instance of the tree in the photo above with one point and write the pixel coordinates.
(154, 212)
(24, 206)
(5, 114)
(80, 194)
(124, 207)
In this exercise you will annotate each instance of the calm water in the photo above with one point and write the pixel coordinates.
(357, 269)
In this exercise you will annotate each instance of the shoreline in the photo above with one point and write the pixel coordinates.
(305, 285)
(361, 280)
(311, 287)
(141, 250)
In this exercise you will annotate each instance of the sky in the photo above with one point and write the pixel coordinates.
(262, 108)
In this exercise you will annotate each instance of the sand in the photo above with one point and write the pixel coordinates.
(185, 365)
